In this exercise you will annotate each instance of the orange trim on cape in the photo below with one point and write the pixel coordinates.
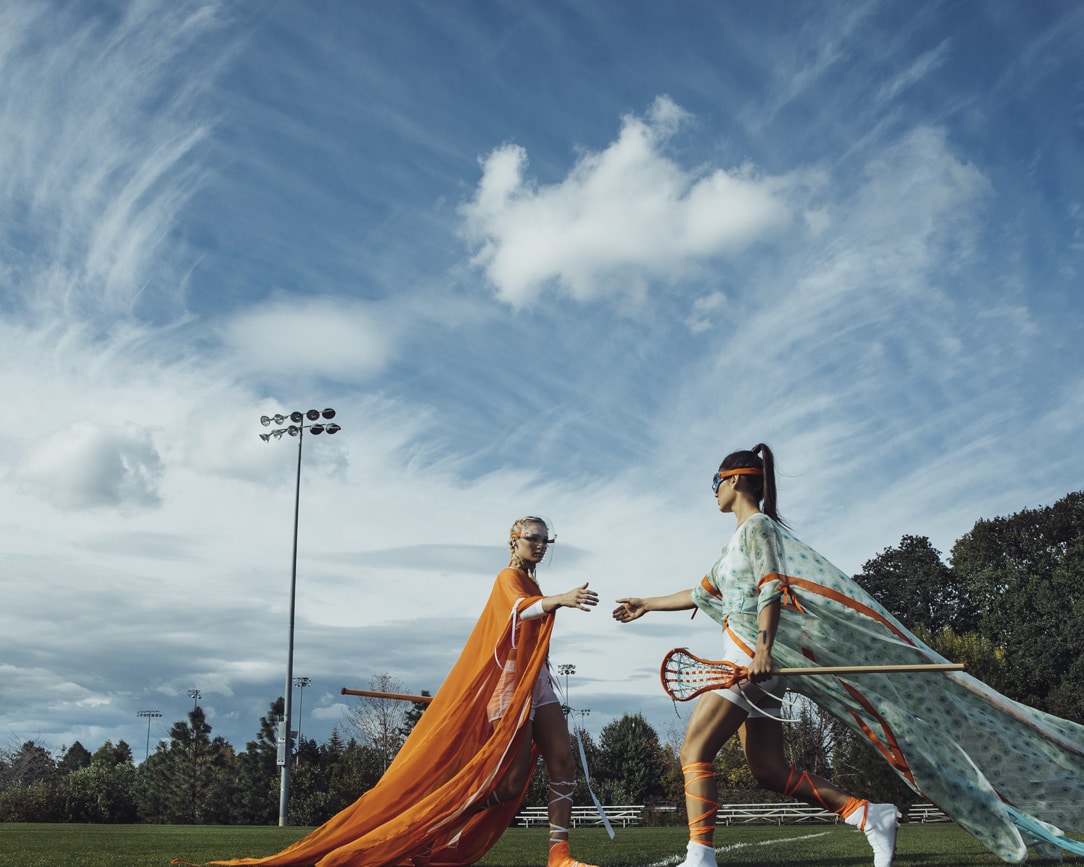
(888, 746)
(453, 760)
(789, 581)
(705, 582)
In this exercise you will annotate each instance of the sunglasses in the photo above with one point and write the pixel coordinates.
(726, 474)
(533, 539)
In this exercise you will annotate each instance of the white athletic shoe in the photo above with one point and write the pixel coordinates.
(698, 855)
(882, 821)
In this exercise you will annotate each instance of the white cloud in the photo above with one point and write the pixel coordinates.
(310, 337)
(88, 465)
(621, 215)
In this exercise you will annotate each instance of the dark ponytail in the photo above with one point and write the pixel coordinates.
(761, 487)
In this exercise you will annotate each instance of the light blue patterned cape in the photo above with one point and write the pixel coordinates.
(1011, 775)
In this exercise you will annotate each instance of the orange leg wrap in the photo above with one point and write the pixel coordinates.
(850, 807)
(810, 794)
(700, 786)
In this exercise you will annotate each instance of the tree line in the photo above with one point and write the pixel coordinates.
(1006, 603)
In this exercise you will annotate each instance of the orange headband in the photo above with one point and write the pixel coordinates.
(741, 471)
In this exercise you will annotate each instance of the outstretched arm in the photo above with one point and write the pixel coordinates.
(632, 607)
(578, 597)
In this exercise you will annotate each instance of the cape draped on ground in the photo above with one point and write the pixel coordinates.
(1011, 775)
(452, 760)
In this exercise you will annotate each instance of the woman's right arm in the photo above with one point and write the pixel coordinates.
(632, 607)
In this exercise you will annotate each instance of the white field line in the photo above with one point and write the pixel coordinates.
(733, 847)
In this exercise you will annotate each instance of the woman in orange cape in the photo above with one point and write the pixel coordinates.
(459, 778)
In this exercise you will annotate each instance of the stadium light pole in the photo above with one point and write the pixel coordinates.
(566, 670)
(584, 712)
(149, 714)
(300, 683)
(195, 695)
(295, 428)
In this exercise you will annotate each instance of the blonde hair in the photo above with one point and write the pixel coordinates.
(517, 528)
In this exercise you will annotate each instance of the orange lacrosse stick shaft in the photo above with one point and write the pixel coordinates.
(396, 696)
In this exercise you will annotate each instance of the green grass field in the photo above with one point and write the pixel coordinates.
(809, 845)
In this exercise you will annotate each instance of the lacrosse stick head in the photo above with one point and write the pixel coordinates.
(685, 676)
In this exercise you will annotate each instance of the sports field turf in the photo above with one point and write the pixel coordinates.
(32, 845)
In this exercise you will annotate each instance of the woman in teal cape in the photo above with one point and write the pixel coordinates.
(1009, 774)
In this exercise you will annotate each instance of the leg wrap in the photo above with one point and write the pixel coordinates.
(560, 810)
(700, 786)
(800, 785)
(851, 808)
(560, 791)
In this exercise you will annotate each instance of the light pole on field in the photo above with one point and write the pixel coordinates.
(296, 428)
(300, 683)
(149, 714)
(566, 670)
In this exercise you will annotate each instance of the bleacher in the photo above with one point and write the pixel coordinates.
(926, 813)
(772, 814)
(627, 815)
(584, 816)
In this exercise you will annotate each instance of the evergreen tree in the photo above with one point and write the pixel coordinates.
(73, 758)
(190, 781)
(256, 795)
(413, 714)
(631, 763)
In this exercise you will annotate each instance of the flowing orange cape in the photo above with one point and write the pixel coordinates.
(427, 801)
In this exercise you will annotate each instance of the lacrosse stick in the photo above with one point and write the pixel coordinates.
(685, 676)
(396, 696)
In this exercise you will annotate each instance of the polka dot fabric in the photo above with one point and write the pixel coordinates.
(1010, 775)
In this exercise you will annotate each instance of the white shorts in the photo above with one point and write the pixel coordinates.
(759, 700)
(543, 692)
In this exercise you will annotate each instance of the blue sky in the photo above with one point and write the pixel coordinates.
(553, 258)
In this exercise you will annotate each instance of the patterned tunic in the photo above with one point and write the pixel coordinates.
(1011, 775)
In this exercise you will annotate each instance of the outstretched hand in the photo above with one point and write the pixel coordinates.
(629, 609)
(580, 598)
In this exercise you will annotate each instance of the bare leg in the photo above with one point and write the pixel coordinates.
(713, 722)
(515, 778)
(551, 735)
(762, 741)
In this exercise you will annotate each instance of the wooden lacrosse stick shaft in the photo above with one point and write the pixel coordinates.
(396, 696)
(874, 669)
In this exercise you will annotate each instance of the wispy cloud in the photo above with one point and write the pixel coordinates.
(103, 146)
